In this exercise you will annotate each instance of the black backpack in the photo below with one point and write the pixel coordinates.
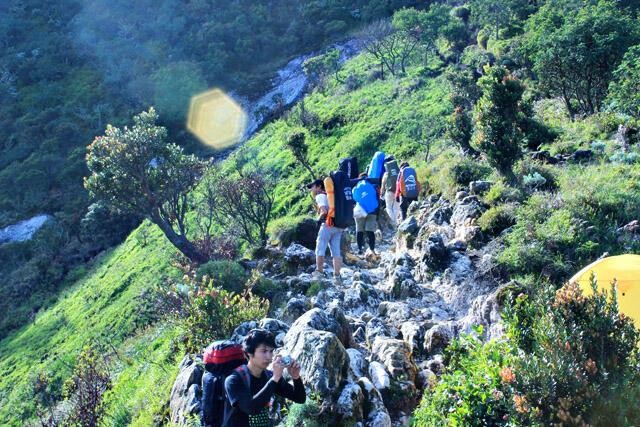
(343, 199)
(220, 359)
(350, 167)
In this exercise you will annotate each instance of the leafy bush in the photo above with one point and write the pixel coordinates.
(228, 275)
(627, 158)
(501, 193)
(585, 349)
(459, 129)
(624, 96)
(497, 116)
(496, 219)
(206, 312)
(467, 170)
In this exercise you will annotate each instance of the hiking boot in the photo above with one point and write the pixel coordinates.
(337, 280)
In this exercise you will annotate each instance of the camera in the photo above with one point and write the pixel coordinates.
(285, 360)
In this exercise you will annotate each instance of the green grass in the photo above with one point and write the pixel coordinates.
(112, 303)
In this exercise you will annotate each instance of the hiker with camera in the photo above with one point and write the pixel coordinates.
(250, 387)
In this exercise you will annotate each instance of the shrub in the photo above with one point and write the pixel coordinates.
(541, 177)
(225, 274)
(497, 116)
(459, 130)
(626, 158)
(461, 12)
(534, 180)
(623, 89)
(564, 358)
(468, 170)
(498, 218)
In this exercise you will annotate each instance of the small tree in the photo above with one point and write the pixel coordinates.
(381, 40)
(624, 90)
(86, 388)
(241, 200)
(460, 130)
(298, 146)
(497, 115)
(135, 170)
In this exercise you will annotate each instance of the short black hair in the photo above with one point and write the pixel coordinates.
(316, 182)
(257, 337)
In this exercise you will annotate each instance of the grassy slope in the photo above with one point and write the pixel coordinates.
(112, 303)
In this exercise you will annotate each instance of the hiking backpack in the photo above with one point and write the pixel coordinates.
(349, 166)
(220, 359)
(410, 182)
(366, 196)
(392, 171)
(376, 167)
(338, 188)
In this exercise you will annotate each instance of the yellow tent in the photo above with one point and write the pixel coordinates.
(625, 269)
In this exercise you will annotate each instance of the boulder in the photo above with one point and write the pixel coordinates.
(375, 328)
(414, 333)
(357, 362)
(186, 394)
(438, 338)
(274, 326)
(436, 254)
(350, 404)
(396, 356)
(297, 256)
(461, 195)
(295, 308)
(440, 215)
(408, 226)
(332, 320)
(400, 283)
(324, 361)
(379, 376)
(479, 187)
(395, 312)
(376, 414)
(581, 156)
(466, 212)
(470, 235)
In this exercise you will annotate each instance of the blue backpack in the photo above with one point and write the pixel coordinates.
(376, 167)
(366, 196)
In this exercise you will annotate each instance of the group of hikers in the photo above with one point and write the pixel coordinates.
(237, 387)
(346, 196)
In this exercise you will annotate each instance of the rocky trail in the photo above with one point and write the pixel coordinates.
(369, 346)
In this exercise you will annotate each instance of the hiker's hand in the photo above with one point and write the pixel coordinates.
(294, 369)
(277, 368)
(398, 199)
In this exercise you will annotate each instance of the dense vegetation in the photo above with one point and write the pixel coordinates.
(424, 103)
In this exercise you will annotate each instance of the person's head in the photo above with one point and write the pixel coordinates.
(258, 347)
(363, 175)
(404, 165)
(316, 186)
(388, 159)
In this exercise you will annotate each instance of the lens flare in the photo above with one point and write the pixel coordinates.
(216, 119)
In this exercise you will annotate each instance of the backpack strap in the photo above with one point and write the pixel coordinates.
(243, 370)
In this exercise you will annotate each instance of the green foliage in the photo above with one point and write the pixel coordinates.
(554, 233)
(586, 349)
(460, 129)
(137, 171)
(575, 52)
(498, 218)
(497, 115)
(228, 275)
(624, 89)
(206, 311)
(467, 170)
(470, 392)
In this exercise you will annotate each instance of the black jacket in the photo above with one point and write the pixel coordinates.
(242, 401)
